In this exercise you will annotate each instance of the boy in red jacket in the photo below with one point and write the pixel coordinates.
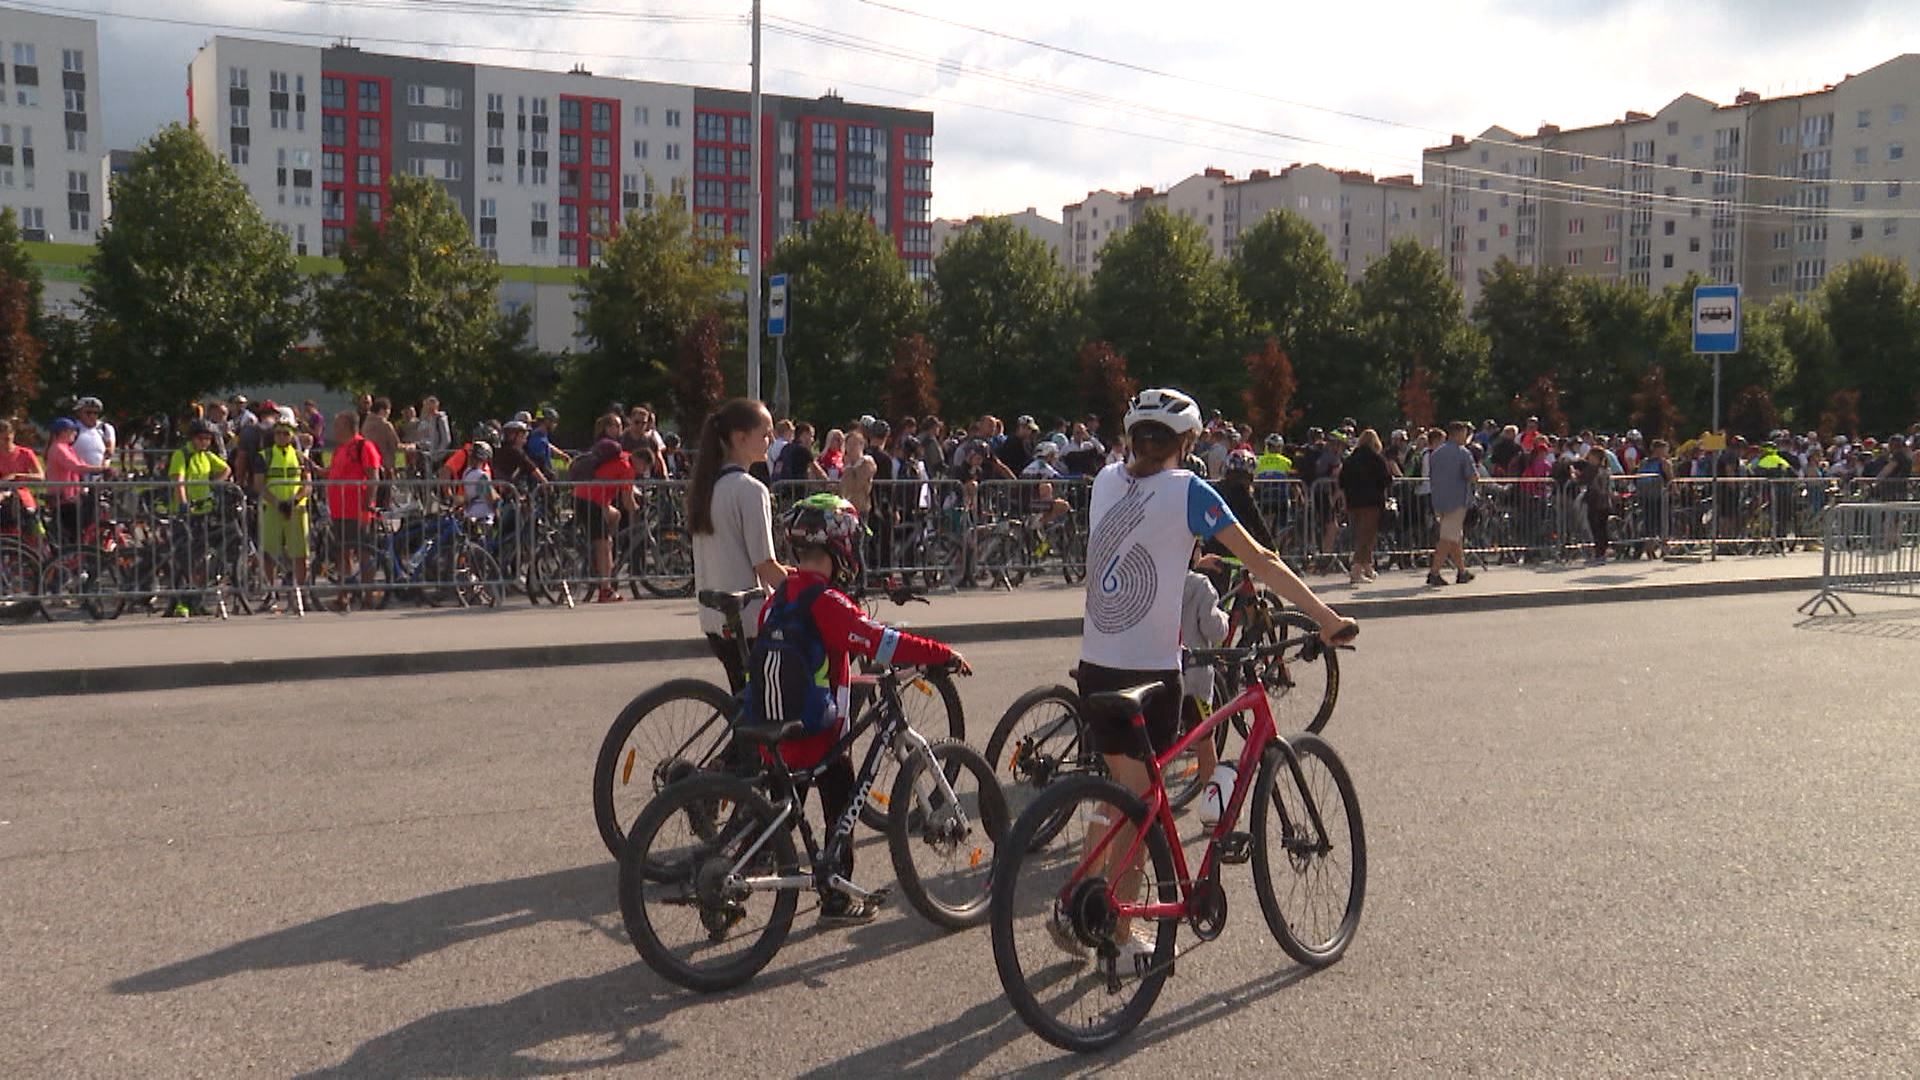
(824, 531)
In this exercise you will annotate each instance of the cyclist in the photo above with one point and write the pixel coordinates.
(824, 534)
(1143, 520)
(97, 440)
(18, 465)
(1273, 463)
(1043, 499)
(193, 472)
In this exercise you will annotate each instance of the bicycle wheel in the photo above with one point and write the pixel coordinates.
(931, 703)
(942, 561)
(942, 845)
(700, 927)
(995, 560)
(1309, 851)
(669, 570)
(1040, 740)
(1295, 682)
(1056, 938)
(476, 577)
(663, 736)
(1073, 553)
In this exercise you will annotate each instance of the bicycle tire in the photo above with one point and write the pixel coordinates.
(1284, 673)
(476, 577)
(1029, 776)
(874, 813)
(1311, 946)
(669, 572)
(1013, 855)
(953, 832)
(942, 561)
(617, 764)
(753, 815)
(1073, 554)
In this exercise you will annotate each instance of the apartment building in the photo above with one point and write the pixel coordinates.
(1771, 193)
(543, 164)
(1029, 221)
(1360, 216)
(49, 125)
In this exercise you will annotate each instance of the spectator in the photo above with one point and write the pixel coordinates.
(1595, 480)
(97, 440)
(731, 517)
(75, 507)
(797, 462)
(436, 431)
(602, 497)
(673, 459)
(782, 435)
(283, 484)
(540, 441)
(641, 431)
(833, 456)
(1453, 478)
(351, 475)
(1016, 450)
(1365, 480)
(856, 476)
(194, 470)
(18, 465)
(477, 483)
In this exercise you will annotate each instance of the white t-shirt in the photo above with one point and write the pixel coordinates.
(1139, 542)
(742, 538)
(91, 443)
(479, 492)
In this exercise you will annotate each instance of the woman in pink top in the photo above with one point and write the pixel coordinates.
(75, 508)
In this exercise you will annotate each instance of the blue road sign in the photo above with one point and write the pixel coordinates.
(777, 305)
(1716, 319)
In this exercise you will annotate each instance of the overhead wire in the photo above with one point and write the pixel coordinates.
(1533, 147)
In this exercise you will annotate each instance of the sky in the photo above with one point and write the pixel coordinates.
(1149, 92)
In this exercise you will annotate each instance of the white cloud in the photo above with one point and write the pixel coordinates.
(1437, 67)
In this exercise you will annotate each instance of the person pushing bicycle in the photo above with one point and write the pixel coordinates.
(800, 666)
(1142, 522)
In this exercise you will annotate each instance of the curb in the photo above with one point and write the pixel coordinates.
(212, 673)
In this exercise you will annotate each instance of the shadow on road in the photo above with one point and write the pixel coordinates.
(1903, 624)
(614, 1012)
(962, 1044)
(381, 936)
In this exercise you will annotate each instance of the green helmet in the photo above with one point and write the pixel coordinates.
(831, 523)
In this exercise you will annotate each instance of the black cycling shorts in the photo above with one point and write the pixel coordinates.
(591, 518)
(1114, 734)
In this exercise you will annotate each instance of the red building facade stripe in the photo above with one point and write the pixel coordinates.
(586, 172)
(352, 149)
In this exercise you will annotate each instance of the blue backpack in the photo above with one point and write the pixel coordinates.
(787, 669)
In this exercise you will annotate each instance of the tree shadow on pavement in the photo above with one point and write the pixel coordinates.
(964, 1043)
(613, 1012)
(382, 936)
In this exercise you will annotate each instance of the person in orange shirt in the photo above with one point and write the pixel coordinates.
(18, 464)
(599, 505)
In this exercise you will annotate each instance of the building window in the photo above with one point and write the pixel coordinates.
(237, 154)
(603, 152)
(741, 163)
(1666, 262)
(673, 118)
(602, 116)
(1573, 257)
(600, 187)
(333, 93)
(76, 142)
(569, 114)
(333, 167)
(1865, 118)
(709, 127)
(826, 138)
(236, 76)
(238, 116)
(920, 147)
(709, 193)
(72, 60)
(673, 151)
(1893, 189)
(1859, 155)
(1693, 244)
(369, 94)
(709, 160)
(569, 149)
(918, 177)
(333, 204)
(1668, 228)
(369, 131)
(368, 204)
(825, 170)
(1859, 193)
(640, 115)
(367, 169)
(1896, 114)
(640, 149)
(1610, 256)
(1896, 151)
(919, 209)
(862, 139)
(76, 101)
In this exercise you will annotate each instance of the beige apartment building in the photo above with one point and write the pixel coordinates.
(1029, 221)
(1771, 193)
(1360, 216)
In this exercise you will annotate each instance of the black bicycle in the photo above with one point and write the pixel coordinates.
(710, 878)
(682, 726)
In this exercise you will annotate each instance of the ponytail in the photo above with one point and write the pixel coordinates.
(710, 454)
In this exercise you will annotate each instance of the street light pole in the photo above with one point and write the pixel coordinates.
(753, 224)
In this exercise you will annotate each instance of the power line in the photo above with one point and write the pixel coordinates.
(1127, 65)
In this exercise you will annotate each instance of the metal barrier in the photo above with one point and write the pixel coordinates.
(1868, 548)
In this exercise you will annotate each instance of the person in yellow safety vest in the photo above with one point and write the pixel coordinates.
(283, 484)
(194, 470)
(1771, 464)
(1273, 463)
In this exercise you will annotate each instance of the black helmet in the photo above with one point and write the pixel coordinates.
(199, 427)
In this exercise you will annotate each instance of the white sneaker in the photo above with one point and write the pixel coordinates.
(1136, 953)
(1215, 796)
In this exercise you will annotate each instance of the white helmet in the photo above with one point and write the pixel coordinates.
(1170, 407)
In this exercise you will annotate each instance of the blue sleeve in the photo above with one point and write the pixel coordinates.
(1207, 512)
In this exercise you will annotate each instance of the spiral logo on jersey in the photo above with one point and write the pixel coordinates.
(1122, 593)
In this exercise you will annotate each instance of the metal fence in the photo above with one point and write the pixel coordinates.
(110, 547)
(1868, 548)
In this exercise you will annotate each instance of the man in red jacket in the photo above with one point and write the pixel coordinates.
(824, 532)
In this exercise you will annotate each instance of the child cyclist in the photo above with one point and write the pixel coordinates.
(809, 629)
(1143, 519)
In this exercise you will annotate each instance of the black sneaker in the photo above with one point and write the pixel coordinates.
(839, 909)
(1436, 579)
(1463, 577)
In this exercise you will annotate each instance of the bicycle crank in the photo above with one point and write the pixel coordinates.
(1207, 908)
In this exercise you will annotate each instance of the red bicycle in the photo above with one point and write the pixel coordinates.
(1084, 925)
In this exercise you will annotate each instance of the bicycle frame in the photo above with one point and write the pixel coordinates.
(1160, 809)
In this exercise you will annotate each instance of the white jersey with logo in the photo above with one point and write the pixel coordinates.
(1140, 541)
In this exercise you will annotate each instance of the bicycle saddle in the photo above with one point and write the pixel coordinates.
(729, 603)
(1130, 702)
(769, 734)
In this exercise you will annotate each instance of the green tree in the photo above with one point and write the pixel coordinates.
(1624, 335)
(189, 289)
(1163, 302)
(1001, 322)
(1869, 309)
(656, 281)
(851, 301)
(1532, 320)
(17, 265)
(414, 311)
(1816, 364)
(1297, 295)
(1409, 317)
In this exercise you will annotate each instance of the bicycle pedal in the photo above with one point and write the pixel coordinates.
(1236, 848)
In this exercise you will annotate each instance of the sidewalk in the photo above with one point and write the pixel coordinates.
(143, 653)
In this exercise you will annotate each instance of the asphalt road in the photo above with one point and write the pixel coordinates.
(1671, 838)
